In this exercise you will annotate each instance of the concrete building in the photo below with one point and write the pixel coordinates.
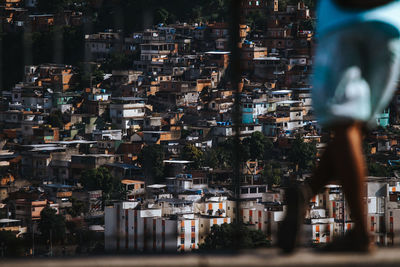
(131, 229)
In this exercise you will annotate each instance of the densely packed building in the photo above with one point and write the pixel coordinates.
(162, 129)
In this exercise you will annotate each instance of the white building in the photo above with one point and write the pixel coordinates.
(131, 229)
(127, 112)
(100, 135)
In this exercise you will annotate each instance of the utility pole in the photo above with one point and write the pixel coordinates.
(235, 78)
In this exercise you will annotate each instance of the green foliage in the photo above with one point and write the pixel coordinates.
(14, 53)
(101, 179)
(215, 10)
(205, 95)
(233, 236)
(78, 207)
(52, 6)
(225, 153)
(10, 245)
(185, 133)
(222, 156)
(135, 15)
(283, 3)
(119, 61)
(12, 59)
(192, 153)
(210, 158)
(90, 75)
(257, 145)
(308, 25)
(151, 159)
(52, 225)
(272, 173)
(55, 119)
(302, 154)
(162, 15)
(379, 170)
(257, 20)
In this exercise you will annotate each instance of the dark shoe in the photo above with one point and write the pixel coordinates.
(350, 243)
(297, 197)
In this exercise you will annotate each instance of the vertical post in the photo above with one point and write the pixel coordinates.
(87, 29)
(1, 57)
(33, 239)
(58, 47)
(344, 216)
(51, 242)
(27, 39)
(235, 74)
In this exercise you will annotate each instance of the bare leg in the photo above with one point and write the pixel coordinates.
(324, 173)
(351, 170)
(344, 160)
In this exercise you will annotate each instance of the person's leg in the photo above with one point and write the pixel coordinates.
(324, 172)
(344, 161)
(349, 163)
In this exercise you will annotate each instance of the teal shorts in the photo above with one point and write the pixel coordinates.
(356, 70)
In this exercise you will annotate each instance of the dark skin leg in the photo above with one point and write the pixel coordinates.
(344, 160)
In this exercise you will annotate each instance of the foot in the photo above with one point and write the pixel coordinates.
(350, 242)
(297, 197)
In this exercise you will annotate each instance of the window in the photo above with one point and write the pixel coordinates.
(193, 229)
(182, 240)
(253, 190)
(193, 240)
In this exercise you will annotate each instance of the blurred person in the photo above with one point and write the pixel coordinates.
(356, 69)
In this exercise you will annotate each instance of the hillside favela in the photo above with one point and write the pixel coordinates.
(122, 131)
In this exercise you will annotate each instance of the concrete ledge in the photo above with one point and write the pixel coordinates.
(264, 257)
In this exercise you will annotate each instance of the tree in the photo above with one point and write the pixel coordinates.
(55, 119)
(101, 179)
(257, 145)
(192, 153)
(78, 207)
(10, 245)
(308, 25)
(216, 10)
(162, 15)
(53, 6)
(118, 61)
(226, 150)
(210, 158)
(151, 159)
(205, 96)
(52, 225)
(302, 154)
(257, 20)
(271, 174)
(233, 236)
(90, 75)
(379, 170)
